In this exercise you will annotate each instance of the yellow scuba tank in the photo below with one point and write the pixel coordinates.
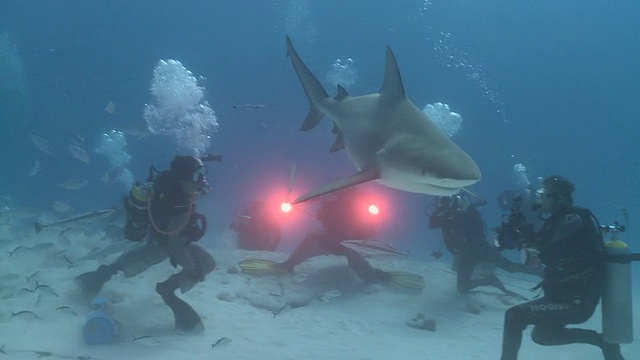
(136, 205)
(617, 312)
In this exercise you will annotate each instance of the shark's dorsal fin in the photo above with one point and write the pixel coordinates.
(342, 93)
(392, 87)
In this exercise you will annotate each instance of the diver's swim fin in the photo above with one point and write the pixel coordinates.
(406, 280)
(186, 319)
(261, 267)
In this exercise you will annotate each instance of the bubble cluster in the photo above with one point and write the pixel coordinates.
(179, 109)
(448, 121)
(342, 73)
(113, 145)
(474, 69)
(424, 7)
(522, 178)
(11, 72)
(298, 21)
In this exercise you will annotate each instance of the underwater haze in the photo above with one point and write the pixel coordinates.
(548, 84)
(92, 93)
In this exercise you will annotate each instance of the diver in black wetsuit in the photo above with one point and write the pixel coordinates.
(257, 227)
(463, 232)
(163, 213)
(571, 249)
(339, 222)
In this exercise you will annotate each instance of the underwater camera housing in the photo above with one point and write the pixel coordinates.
(515, 230)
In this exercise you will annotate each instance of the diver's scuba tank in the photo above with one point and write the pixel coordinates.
(136, 205)
(617, 312)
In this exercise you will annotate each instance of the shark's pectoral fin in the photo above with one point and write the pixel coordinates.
(355, 179)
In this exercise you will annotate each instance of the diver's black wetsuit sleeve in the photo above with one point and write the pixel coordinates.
(437, 219)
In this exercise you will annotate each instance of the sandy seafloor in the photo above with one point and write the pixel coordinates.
(363, 322)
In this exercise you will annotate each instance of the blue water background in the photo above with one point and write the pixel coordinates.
(551, 84)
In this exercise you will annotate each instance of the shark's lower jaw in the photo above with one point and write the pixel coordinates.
(425, 188)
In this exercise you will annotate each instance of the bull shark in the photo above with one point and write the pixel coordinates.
(388, 139)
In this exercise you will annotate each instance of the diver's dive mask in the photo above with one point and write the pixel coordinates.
(199, 174)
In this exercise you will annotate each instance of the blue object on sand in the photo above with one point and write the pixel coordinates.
(99, 327)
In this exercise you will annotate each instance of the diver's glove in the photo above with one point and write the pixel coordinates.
(211, 157)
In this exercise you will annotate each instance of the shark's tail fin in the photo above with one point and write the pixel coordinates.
(312, 87)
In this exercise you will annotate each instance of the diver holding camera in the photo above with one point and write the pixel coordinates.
(463, 233)
(515, 230)
(571, 248)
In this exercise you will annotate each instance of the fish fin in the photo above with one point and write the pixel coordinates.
(313, 118)
(392, 88)
(406, 280)
(342, 93)
(355, 179)
(261, 267)
(375, 246)
(312, 88)
(338, 144)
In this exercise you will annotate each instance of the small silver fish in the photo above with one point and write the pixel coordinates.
(74, 184)
(35, 168)
(113, 176)
(330, 294)
(110, 108)
(78, 153)
(60, 206)
(223, 341)
(77, 139)
(42, 144)
(248, 106)
(139, 131)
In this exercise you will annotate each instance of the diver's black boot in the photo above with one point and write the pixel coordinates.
(186, 318)
(611, 351)
(91, 282)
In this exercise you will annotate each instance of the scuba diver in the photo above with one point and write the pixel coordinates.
(257, 227)
(463, 232)
(338, 214)
(163, 209)
(571, 248)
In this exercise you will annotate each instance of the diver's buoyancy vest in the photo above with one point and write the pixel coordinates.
(168, 199)
(574, 264)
